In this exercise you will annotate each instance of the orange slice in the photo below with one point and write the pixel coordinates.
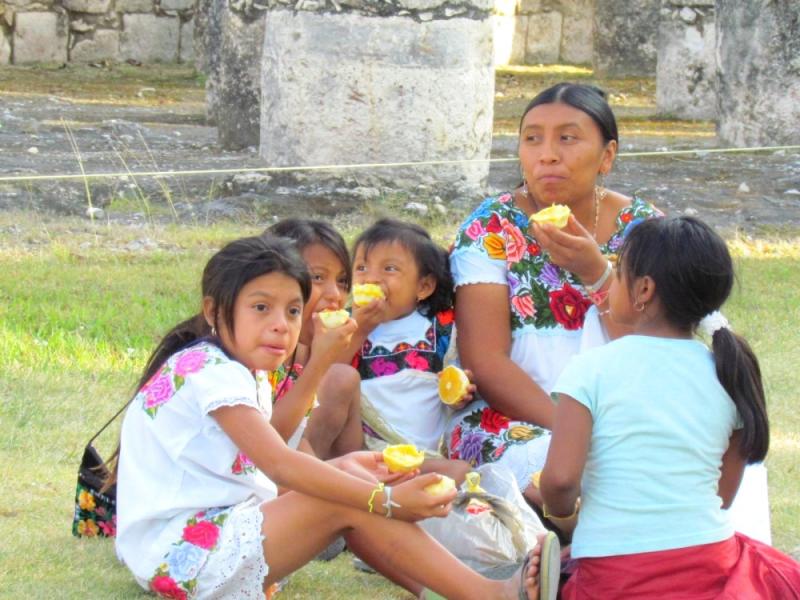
(555, 214)
(441, 487)
(364, 293)
(402, 458)
(334, 318)
(453, 384)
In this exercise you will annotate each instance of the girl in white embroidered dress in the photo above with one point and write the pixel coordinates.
(198, 462)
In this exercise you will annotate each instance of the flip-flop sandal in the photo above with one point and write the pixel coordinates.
(549, 567)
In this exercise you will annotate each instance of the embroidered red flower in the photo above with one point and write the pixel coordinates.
(494, 225)
(416, 361)
(569, 307)
(534, 249)
(446, 317)
(455, 442)
(493, 421)
(626, 217)
(166, 587)
(203, 534)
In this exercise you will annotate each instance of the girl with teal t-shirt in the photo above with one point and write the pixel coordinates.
(653, 432)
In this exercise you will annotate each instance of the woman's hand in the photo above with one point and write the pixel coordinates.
(572, 248)
(369, 466)
(469, 395)
(417, 504)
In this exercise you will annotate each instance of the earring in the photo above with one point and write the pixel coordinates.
(213, 331)
(601, 180)
(639, 306)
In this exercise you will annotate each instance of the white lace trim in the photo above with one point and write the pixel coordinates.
(230, 401)
(237, 569)
(478, 282)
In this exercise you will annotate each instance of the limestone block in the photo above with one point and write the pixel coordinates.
(509, 39)
(758, 76)
(187, 41)
(392, 90)
(239, 79)
(97, 7)
(576, 32)
(421, 4)
(176, 4)
(543, 42)
(134, 6)
(625, 37)
(686, 69)
(40, 37)
(5, 47)
(104, 45)
(506, 8)
(149, 38)
(527, 7)
(208, 36)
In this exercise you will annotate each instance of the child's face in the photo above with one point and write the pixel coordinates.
(328, 285)
(268, 314)
(391, 266)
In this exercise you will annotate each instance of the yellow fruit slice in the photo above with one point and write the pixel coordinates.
(441, 487)
(334, 318)
(555, 214)
(364, 293)
(453, 384)
(402, 458)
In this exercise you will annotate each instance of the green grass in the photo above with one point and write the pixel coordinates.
(79, 315)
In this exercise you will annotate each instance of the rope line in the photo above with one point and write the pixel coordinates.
(361, 166)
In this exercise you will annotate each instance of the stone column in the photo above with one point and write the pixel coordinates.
(758, 85)
(408, 81)
(686, 71)
(625, 37)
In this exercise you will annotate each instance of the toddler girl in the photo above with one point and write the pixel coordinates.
(198, 513)
(653, 431)
(333, 428)
(402, 340)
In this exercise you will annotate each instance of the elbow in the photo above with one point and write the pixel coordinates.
(555, 486)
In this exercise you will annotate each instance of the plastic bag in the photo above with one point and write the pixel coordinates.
(491, 524)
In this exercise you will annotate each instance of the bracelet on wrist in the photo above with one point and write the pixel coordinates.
(371, 501)
(593, 288)
(389, 503)
(552, 517)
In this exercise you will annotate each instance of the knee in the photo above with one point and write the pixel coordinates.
(341, 385)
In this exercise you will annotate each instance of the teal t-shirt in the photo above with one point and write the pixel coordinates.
(661, 423)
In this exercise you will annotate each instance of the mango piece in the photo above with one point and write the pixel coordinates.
(402, 458)
(555, 214)
(334, 318)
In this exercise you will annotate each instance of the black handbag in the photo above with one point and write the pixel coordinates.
(95, 510)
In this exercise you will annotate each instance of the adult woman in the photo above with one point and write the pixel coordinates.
(528, 297)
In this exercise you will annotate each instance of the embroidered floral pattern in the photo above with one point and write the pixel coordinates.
(176, 577)
(163, 385)
(426, 355)
(243, 465)
(94, 514)
(484, 435)
(541, 294)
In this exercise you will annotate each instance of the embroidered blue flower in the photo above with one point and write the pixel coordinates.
(184, 561)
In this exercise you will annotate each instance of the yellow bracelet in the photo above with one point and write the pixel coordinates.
(547, 515)
(378, 488)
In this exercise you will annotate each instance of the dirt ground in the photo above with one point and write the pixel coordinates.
(129, 119)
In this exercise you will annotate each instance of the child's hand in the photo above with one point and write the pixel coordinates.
(328, 343)
(468, 396)
(417, 504)
(370, 315)
(369, 466)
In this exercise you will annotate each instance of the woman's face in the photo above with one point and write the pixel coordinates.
(561, 151)
(328, 285)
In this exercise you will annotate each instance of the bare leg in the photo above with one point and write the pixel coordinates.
(334, 427)
(403, 546)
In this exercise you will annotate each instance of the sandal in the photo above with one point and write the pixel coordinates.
(549, 569)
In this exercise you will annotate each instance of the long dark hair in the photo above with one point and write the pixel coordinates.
(306, 232)
(431, 259)
(693, 274)
(586, 98)
(224, 276)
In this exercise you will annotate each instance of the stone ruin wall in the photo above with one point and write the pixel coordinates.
(59, 31)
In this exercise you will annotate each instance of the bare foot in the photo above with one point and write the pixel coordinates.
(539, 576)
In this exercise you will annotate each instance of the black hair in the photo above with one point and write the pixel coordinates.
(306, 232)
(431, 259)
(693, 274)
(586, 98)
(224, 276)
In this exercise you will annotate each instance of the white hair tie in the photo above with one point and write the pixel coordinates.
(712, 322)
